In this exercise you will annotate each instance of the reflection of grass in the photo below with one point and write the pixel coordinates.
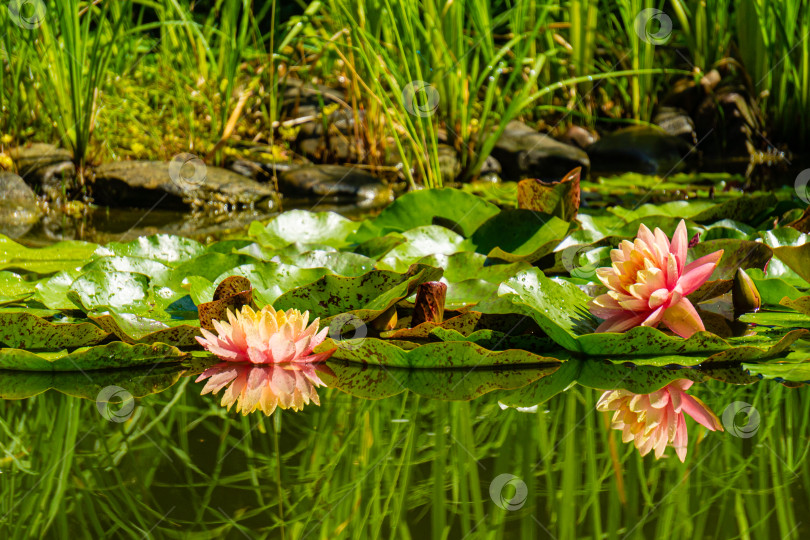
(397, 468)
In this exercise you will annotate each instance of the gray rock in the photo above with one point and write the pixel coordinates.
(639, 149)
(676, 122)
(526, 153)
(578, 136)
(334, 183)
(259, 170)
(18, 205)
(45, 167)
(144, 184)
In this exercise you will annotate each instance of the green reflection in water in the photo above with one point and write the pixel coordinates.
(178, 465)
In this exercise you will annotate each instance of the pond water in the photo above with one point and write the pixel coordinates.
(379, 458)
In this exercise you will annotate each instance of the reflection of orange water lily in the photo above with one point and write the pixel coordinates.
(265, 337)
(648, 283)
(265, 387)
(656, 420)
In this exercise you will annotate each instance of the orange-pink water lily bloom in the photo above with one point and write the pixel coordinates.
(265, 337)
(648, 282)
(657, 420)
(264, 387)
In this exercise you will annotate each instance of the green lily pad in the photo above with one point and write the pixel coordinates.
(165, 248)
(558, 307)
(46, 260)
(802, 305)
(449, 354)
(301, 226)
(464, 324)
(736, 254)
(13, 288)
(131, 328)
(111, 356)
(546, 388)
(519, 235)
(337, 262)
(702, 211)
(98, 291)
(419, 208)
(26, 331)
(421, 242)
(365, 297)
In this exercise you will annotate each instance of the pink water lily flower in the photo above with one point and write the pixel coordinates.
(648, 283)
(266, 337)
(264, 387)
(653, 421)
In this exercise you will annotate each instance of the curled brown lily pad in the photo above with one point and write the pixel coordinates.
(232, 294)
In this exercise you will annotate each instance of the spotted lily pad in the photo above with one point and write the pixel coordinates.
(111, 356)
(365, 297)
(131, 328)
(450, 354)
(22, 330)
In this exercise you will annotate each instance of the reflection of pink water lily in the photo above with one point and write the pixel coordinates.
(264, 387)
(265, 337)
(656, 420)
(648, 283)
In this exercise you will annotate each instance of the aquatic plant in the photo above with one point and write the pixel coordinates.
(648, 283)
(657, 420)
(265, 337)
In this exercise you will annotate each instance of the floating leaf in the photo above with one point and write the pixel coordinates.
(736, 254)
(301, 226)
(46, 260)
(165, 248)
(421, 242)
(419, 208)
(98, 291)
(450, 354)
(26, 331)
(366, 296)
(802, 305)
(230, 295)
(131, 328)
(464, 323)
(111, 356)
(559, 199)
(519, 235)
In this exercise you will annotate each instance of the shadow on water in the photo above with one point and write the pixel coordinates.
(518, 453)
